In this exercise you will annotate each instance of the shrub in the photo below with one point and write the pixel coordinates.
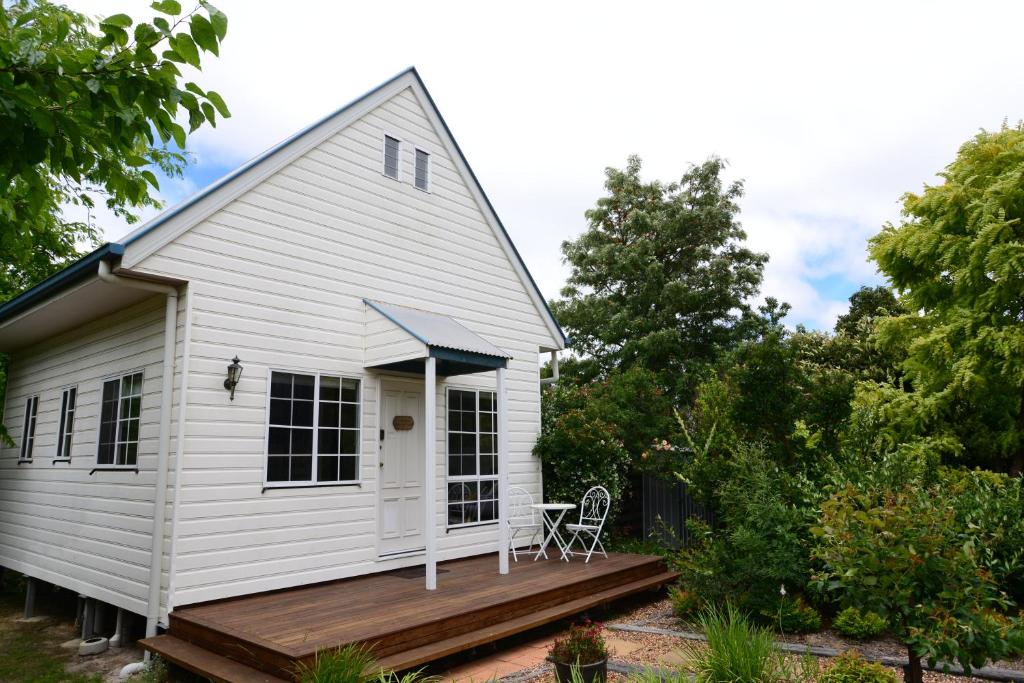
(685, 603)
(792, 615)
(901, 554)
(850, 668)
(860, 625)
(584, 644)
(761, 542)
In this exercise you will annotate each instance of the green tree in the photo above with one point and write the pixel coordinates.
(957, 259)
(89, 113)
(867, 304)
(661, 278)
(901, 553)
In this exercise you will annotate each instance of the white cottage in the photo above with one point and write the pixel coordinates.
(387, 336)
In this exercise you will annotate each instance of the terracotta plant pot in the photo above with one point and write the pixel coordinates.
(596, 672)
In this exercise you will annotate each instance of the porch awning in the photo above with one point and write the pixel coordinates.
(400, 338)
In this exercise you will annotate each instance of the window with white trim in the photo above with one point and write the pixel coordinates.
(392, 150)
(66, 428)
(28, 432)
(313, 429)
(422, 170)
(472, 457)
(120, 415)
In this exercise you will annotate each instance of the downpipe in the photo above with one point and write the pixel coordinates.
(163, 453)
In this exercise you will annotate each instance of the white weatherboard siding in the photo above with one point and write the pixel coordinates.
(87, 532)
(278, 276)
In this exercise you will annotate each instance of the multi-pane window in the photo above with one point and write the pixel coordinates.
(391, 156)
(472, 457)
(120, 411)
(422, 170)
(28, 432)
(313, 429)
(66, 428)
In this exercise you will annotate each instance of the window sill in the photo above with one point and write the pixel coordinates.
(343, 484)
(475, 525)
(114, 468)
(24, 461)
(66, 461)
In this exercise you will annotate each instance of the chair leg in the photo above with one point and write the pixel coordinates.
(512, 544)
(568, 546)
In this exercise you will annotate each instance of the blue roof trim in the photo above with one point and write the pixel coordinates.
(76, 272)
(395, 322)
(490, 206)
(469, 358)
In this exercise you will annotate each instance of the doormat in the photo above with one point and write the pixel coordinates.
(419, 572)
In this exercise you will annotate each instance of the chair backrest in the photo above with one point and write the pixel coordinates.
(594, 509)
(519, 502)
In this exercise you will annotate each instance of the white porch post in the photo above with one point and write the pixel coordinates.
(502, 473)
(430, 478)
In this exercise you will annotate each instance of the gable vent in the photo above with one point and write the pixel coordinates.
(391, 147)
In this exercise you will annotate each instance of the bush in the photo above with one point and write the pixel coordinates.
(348, 664)
(685, 603)
(901, 554)
(792, 615)
(860, 625)
(850, 668)
(761, 542)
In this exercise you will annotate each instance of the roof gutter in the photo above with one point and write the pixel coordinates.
(163, 454)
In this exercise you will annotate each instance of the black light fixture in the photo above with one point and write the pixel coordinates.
(234, 374)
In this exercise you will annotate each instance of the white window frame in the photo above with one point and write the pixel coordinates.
(64, 454)
(28, 428)
(358, 481)
(384, 157)
(415, 161)
(99, 420)
(448, 479)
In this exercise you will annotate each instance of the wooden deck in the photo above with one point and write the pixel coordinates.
(264, 636)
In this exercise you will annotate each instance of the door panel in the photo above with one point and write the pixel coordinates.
(401, 470)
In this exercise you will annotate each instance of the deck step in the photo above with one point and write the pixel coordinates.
(205, 663)
(442, 648)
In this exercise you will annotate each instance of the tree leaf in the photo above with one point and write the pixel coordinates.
(218, 102)
(119, 20)
(171, 7)
(182, 44)
(203, 35)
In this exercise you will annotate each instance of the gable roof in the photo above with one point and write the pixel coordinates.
(152, 235)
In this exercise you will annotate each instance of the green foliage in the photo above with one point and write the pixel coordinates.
(867, 305)
(761, 543)
(583, 644)
(595, 434)
(850, 668)
(957, 258)
(901, 554)
(661, 278)
(352, 663)
(685, 603)
(87, 113)
(791, 615)
(860, 625)
(737, 651)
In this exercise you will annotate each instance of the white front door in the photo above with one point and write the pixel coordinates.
(401, 467)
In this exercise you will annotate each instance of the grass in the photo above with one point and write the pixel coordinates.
(27, 653)
(737, 651)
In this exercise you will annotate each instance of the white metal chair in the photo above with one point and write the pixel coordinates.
(593, 512)
(521, 517)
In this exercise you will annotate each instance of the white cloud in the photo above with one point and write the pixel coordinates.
(828, 111)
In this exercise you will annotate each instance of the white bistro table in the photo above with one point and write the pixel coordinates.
(552, 514)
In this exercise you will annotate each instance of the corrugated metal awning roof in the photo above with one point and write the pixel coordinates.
(436, 330)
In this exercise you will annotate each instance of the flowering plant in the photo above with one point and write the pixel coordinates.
(584, 644)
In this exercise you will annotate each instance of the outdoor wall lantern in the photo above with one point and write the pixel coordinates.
(234, 374)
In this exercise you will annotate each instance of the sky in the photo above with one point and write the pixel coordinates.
(828, 112)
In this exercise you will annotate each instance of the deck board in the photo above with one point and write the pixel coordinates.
(405, 621)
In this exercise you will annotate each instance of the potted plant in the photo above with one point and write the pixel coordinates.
(582, 649)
